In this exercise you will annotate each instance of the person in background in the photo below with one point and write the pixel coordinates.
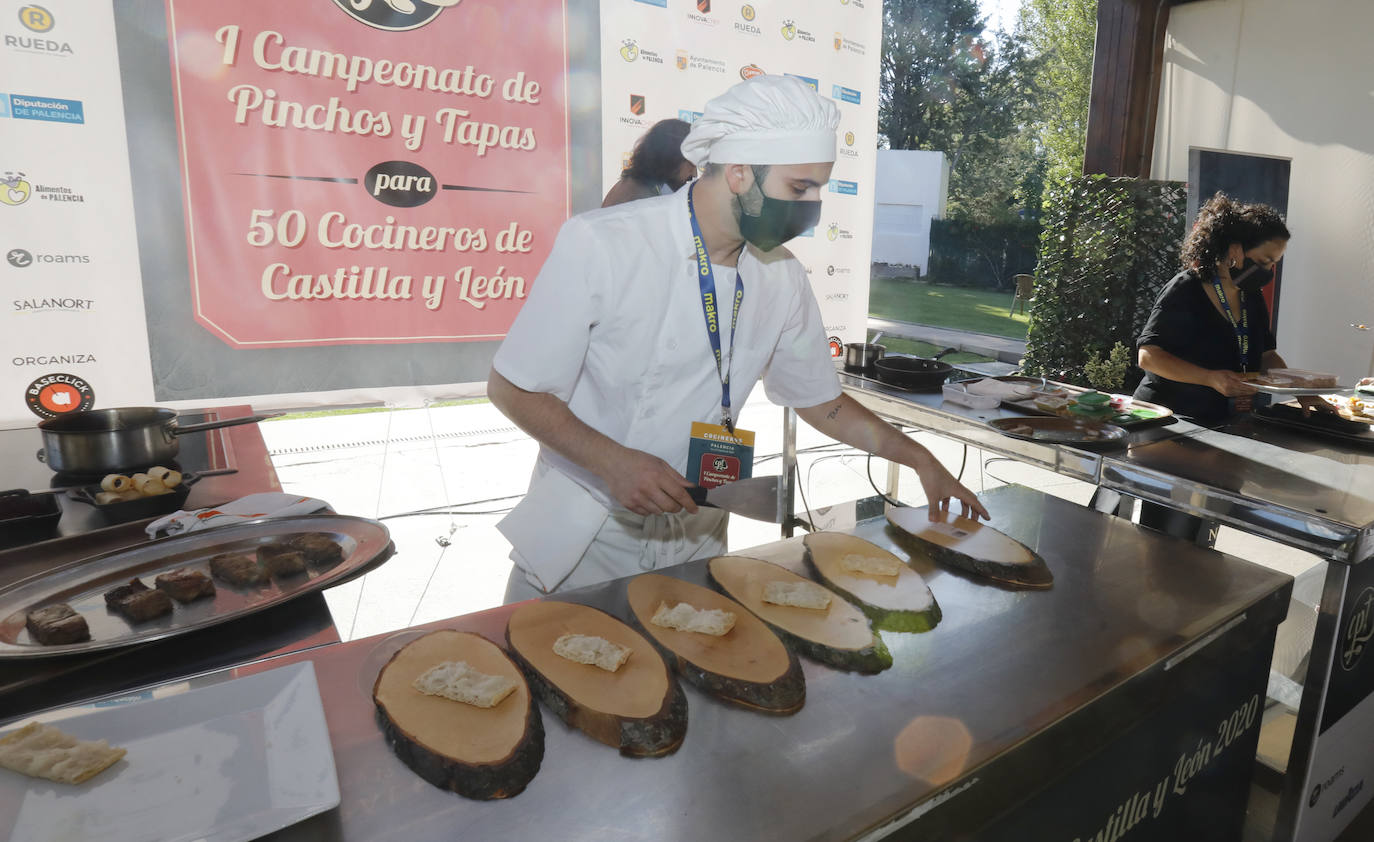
(656, 165)
(1209, 328)
(656, 315)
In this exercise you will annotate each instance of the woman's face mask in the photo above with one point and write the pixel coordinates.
(1251, 276)
(766, 222)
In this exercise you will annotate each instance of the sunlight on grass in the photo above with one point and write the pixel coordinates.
(974, 310)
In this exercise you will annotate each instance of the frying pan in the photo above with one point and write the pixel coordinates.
(915, 373)
(98, 441)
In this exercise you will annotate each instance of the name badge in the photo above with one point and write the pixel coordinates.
(716, 456)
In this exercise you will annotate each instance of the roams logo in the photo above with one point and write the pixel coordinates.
(395, 15)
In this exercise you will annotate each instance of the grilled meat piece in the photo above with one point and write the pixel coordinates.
(320, 549)
(185, 585)
(134, 586)
(237, 569)
(144, 605)
(56, 624)
(282, 560)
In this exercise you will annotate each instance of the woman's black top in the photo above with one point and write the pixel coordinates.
(1186, 324)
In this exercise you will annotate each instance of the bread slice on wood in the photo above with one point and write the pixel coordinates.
(898, 602)
(42, 751)
(593, 650)
(478, 752)
(839, 636)
(686, 617)
(461, 682)
(639, 709)
(797, 594)
(748, 665)
(969, 545)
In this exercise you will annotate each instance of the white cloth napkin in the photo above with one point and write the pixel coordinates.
(264, 504)
(999, 389)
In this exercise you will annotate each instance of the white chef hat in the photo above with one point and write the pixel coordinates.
(765, 120)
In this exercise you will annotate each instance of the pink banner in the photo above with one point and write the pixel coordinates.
(361, 171)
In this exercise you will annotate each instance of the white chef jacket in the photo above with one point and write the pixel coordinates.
(614, 327)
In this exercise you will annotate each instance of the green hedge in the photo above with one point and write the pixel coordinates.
(1108, 247)
(973, 254)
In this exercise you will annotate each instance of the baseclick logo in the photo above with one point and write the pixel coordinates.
(50, 109)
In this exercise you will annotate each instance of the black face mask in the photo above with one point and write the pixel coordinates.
(773, 221)
(1252, 277)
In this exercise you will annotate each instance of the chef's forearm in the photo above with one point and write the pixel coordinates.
(548, 421)
(1158, 361)
(845, 419)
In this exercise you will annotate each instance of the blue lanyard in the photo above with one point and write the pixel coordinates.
(706, 279)
(1242, 328)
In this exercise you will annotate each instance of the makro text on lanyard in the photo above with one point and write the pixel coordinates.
(706, 279)
(1241, 327)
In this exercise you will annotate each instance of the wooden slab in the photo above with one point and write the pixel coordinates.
(839, 636)
(748, 665)
(976, 547)
(639, 709)
(481, 753)
(901, 603)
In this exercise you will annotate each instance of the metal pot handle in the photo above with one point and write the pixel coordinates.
(179, 430)
(942, 353)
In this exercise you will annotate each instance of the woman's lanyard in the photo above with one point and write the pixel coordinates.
(706, 279)
(1242, 327)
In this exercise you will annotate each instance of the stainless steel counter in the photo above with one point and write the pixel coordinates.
(1307, 492)
(1002, 667)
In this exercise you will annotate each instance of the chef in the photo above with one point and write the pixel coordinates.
(651, 322)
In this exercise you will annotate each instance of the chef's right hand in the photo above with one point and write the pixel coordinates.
(1230, 384)
(646, 485)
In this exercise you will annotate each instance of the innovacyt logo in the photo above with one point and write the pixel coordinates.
(395, 15)
(58, 394)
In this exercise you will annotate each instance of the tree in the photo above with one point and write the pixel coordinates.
(1061, 35)
(944, 88)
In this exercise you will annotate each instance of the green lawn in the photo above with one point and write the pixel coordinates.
(959, 308)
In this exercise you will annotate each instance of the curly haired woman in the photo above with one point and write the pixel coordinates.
(1210, 324)
(656, 165)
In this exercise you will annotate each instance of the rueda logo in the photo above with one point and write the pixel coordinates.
(36, 18)
(395, 15)
(401, 184)
(58, 394)
(1358, 630)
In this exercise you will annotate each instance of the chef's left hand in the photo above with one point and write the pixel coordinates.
(1315, 403)
(940, 485)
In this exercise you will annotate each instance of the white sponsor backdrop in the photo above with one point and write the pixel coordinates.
(677, 54)
(73, 295)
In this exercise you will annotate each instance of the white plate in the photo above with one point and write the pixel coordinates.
(1296, 391)
(223, 763)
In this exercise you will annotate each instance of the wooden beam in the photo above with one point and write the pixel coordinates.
(1127, 60)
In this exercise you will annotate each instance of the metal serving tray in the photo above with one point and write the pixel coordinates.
(82, 584)
(1074, 432)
